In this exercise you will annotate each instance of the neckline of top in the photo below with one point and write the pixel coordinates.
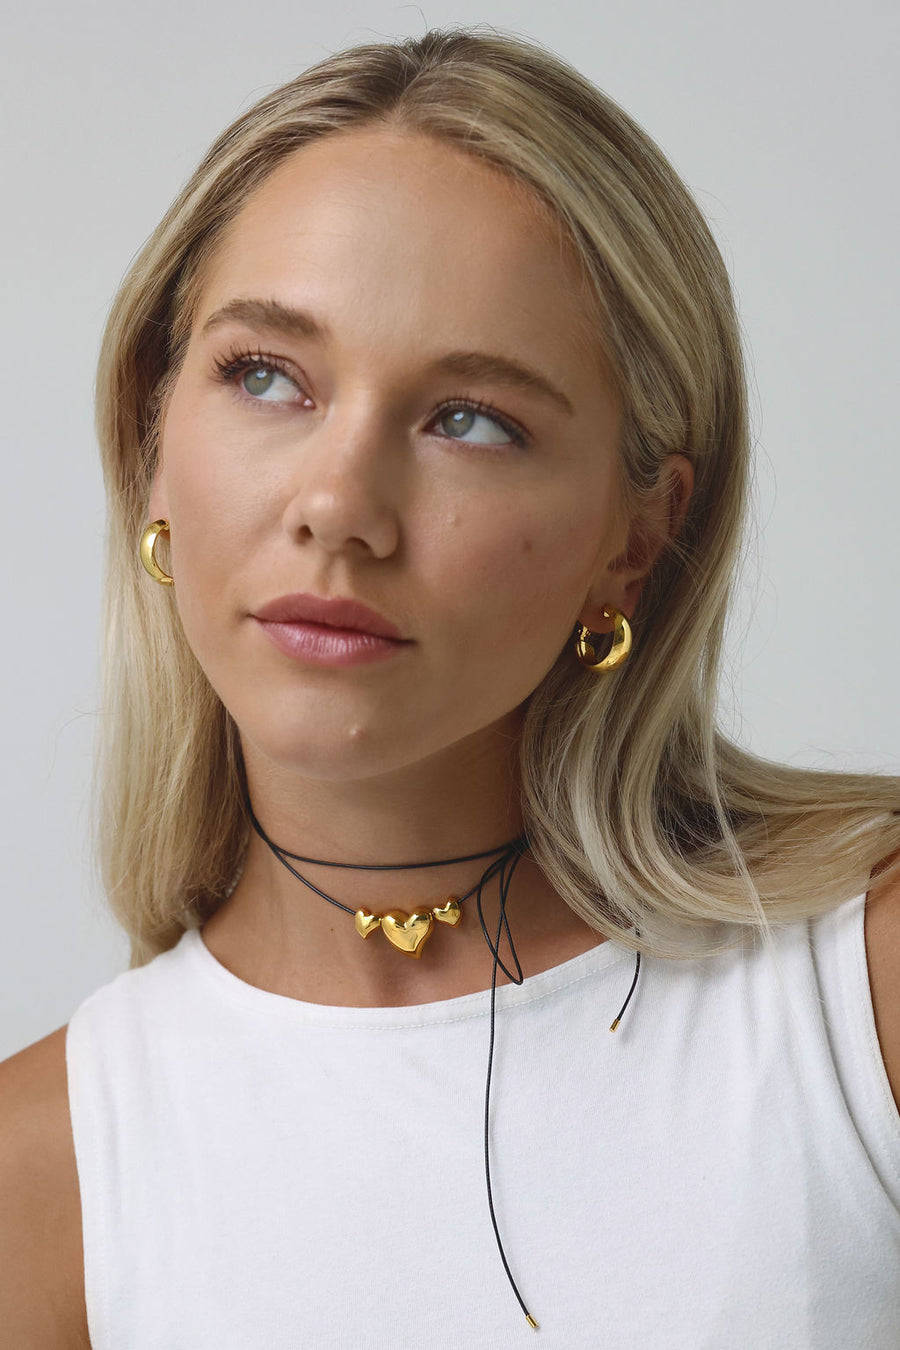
(462, 1008)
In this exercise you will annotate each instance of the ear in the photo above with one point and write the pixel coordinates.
(620, 581)
(158, 504)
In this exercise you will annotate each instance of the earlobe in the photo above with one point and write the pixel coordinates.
(158, 504)
(650, 535)
(618, 586)
(625, 576)
(156, 509)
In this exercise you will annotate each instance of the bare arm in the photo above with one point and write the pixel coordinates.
(41, 1257)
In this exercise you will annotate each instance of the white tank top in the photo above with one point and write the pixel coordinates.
(259, 1173)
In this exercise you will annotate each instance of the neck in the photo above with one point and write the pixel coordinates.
(279, 934)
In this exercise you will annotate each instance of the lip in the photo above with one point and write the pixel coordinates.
(319, 644)
(347, 615)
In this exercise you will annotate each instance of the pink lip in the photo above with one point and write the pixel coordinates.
(321, 645)
(302, 607)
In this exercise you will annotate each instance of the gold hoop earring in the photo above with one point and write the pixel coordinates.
(148, 544)
(618, 652)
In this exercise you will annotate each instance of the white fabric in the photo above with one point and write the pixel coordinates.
(259, 1173)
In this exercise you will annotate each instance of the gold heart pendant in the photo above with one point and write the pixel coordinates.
(366, 923)
(407, 932)
(448, 913)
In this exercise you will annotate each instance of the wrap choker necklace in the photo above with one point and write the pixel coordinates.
(408, 932)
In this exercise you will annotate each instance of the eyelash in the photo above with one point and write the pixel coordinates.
(238, 362)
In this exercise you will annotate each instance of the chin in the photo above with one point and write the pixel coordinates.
(346, 753)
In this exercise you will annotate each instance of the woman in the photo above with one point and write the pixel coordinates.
(429, 381)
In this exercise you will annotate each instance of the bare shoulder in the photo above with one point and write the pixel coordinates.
(42, 1287)
(882, 930)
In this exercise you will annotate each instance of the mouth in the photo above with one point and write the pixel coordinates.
(322, 644)
(338, 614)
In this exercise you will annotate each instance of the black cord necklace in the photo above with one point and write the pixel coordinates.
(408, 932)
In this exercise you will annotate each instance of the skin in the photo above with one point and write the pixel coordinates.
(486, 563)
(340, 479)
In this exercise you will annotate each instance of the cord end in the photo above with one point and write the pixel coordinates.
(615, 1024)
(530, 1320)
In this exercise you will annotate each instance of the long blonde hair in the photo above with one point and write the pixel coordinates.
(656, 828)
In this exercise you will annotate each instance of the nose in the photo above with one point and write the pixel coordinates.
(347, 486)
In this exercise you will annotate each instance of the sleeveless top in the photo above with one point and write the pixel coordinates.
(260, 1173)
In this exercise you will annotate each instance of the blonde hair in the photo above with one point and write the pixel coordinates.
(653, 826)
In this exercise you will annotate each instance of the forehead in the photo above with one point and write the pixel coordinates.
(407, 231)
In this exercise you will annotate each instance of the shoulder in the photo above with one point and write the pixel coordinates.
(882, 930)
(42, 1294)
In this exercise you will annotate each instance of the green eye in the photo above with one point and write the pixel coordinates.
(259, 380)
(257, 374)
(462, 415)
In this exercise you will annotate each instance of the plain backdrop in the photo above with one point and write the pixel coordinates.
(781, 116)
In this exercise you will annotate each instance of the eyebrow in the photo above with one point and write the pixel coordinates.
(300, 323)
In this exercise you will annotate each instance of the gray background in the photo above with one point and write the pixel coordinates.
(781, 117)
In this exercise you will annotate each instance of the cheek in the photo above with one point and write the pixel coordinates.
(214, 494)
(214, 524)
(529, 575)
(211, 472)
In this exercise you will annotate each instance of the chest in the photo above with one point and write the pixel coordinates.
(328, 1193)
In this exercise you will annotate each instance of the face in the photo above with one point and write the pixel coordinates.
(344, 457)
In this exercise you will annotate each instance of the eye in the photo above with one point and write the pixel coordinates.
(257, 377)
(261, 377)
(465, 414)
(260, 381)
